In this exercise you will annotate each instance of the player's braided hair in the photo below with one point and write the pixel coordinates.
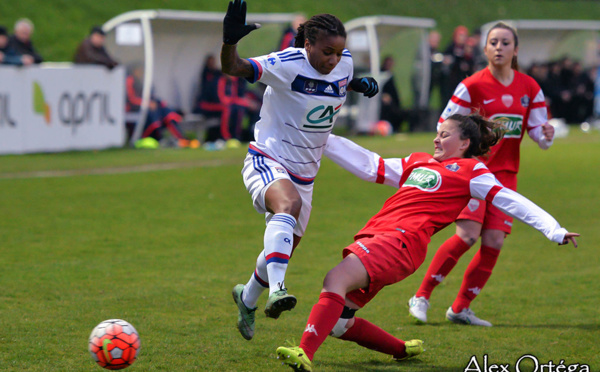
(311, 29)
(483, 133)
(514, 63)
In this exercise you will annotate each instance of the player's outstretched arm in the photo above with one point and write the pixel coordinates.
(235, 28)
(366, 85)
(570, 237)
(486, 187)
(363, 163)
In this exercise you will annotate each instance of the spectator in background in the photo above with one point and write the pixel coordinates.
(583, 94)
(221, 96)
(208, 103)
(20, 42)
(8, 56)
(455, 67)
(435, 66)
(479, 58)
(92, 51)
(556, 91)
(391, 107)
(289, 35)
(159, 115)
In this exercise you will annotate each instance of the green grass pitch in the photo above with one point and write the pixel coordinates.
(159, 238)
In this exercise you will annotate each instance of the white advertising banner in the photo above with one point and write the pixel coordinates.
(45, 109)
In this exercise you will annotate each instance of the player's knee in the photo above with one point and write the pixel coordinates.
(343, 323)
(493, 240)
(469, 237)
(290, 205)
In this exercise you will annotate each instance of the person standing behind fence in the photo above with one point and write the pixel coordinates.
(92, 50)
(7, 55)
(20, 42)
(501, 93)
(307, 86)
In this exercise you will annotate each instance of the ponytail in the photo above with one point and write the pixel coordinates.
(482, 133)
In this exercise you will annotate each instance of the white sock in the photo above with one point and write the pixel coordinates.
(279, 241)
(257, 283)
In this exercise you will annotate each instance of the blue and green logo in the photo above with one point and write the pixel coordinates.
(322, 114)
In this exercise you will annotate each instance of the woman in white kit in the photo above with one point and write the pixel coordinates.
(306, 87)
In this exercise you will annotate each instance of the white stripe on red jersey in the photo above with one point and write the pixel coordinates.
(431, 193)
(520, 106)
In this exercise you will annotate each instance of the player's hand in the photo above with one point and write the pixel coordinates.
(570, 237)
(548, 131)
(367, 85)
(234, 23)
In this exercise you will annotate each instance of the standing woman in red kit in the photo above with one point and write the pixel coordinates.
(501, 93)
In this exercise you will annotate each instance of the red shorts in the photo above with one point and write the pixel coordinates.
(488, 215)
(387, 260)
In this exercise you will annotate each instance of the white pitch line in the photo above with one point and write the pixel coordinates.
(118, 170)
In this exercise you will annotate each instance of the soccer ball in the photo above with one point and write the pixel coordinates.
(114, 344)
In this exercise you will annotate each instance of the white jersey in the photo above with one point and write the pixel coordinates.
(300, 106)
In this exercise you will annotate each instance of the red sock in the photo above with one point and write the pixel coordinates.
(321, 321)
(372, 337)
(443, 262)
(477, 274)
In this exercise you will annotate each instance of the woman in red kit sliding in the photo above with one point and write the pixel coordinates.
(432, 191)
(501, 93)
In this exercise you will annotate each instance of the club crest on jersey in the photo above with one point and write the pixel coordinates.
(424, 179)
(453, 167)
(473, 205)
(513, 124)
(310, 86)
(507, 99)
(525, 101)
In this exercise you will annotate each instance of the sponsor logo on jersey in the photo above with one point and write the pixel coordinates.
(513, 124)
(488, 101)
(525, 101)
(424, 179)
(310, 86)
(280, 170)
(317, 87)
(453, 167)
(322, 114)
(507, 99)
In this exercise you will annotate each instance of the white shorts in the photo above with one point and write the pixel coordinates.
(259, 173)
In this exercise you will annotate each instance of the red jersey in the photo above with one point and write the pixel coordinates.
(431, 194)
(520, 106)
